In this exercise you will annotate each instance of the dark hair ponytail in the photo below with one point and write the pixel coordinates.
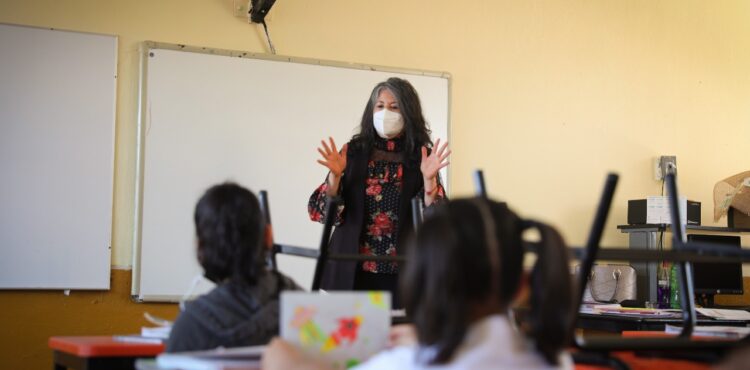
(469, 250)
(551, 294)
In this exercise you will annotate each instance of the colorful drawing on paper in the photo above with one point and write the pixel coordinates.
(345, 328)
(378, 299)
(310, 334)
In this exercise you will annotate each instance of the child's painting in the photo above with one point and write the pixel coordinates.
(343, 327)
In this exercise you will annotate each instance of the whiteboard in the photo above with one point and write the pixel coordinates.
(209, 116)
(57, 116)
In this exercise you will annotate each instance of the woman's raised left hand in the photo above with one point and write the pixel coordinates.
(436, 160)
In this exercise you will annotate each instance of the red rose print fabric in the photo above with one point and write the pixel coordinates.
(382, 194)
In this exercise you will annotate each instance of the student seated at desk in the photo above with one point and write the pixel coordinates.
(243, 309)
(464, 272)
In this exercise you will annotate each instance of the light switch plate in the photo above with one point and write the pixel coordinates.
(663, 165)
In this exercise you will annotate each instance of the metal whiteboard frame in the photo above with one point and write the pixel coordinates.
(145, 49)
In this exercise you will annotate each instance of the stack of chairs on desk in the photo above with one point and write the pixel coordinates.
(596, 350)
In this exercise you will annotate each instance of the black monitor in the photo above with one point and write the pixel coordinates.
(717, 278)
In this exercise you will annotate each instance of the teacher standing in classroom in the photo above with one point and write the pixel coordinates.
(390, 161)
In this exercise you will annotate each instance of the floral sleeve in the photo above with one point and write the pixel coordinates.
(316, 207)
(439, 193)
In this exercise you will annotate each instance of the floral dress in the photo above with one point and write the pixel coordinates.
(382, 193)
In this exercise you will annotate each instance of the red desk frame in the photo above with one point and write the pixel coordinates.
(99, 352)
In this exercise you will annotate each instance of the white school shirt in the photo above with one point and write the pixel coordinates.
(490, 343)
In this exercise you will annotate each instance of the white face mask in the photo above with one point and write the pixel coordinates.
(387, 123)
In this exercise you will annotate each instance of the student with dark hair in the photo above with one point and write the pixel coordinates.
(232, 242)
(377, 173)
(463, 276)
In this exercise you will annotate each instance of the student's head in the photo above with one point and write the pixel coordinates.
(231, 234)
(396, 96)
(466, 262)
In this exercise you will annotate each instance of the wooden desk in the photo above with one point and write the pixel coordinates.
(99, 352)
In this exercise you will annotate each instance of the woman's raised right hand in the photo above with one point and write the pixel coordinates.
(332, 159)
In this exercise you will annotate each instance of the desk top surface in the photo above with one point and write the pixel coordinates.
(660, 227)
(103, 346)
(703, 320)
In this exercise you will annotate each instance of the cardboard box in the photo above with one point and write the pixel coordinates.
(732, 192)
(737, 219)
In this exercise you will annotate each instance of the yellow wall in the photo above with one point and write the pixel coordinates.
(547, 95)
(28, 319)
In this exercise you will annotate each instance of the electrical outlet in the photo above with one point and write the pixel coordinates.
(241, 8)
(663, 165)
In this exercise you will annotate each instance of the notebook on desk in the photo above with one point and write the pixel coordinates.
(344, 328)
